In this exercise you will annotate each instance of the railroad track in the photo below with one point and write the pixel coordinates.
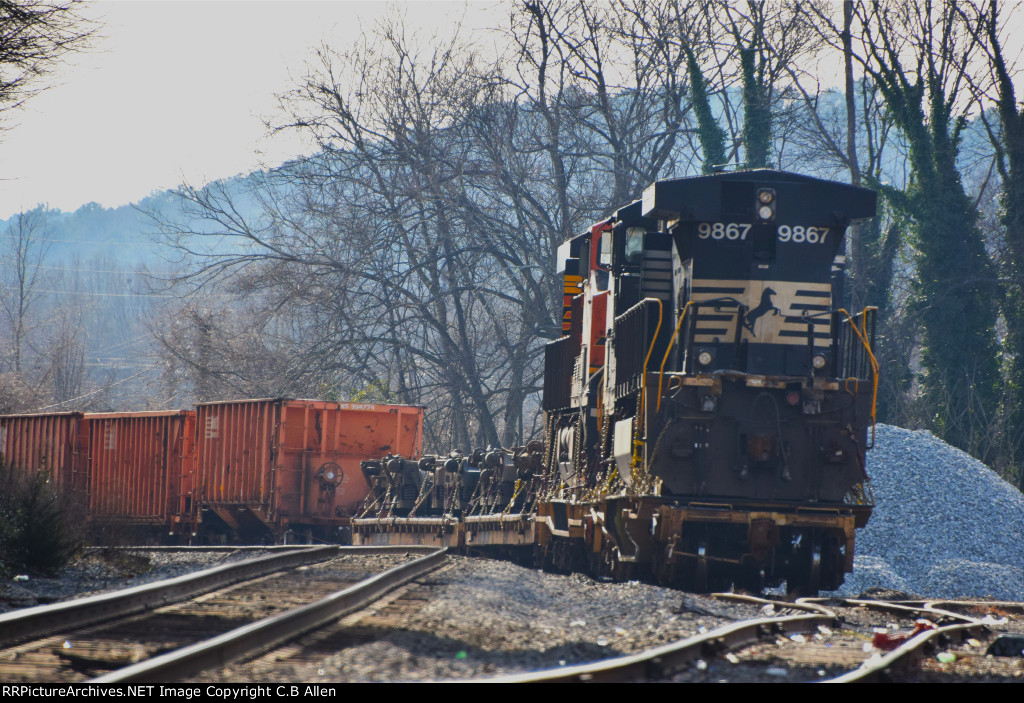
(301, 658)
(810, 640)
(171, 629)
(479, 617)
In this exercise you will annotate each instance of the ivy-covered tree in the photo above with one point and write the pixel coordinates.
(1006, 129)
(918, 54)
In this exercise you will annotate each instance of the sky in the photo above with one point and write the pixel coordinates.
(178, 91)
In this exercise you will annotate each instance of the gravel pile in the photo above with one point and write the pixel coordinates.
(944, 525)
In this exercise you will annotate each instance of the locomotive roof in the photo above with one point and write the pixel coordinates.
(632, 214)
(732, 195)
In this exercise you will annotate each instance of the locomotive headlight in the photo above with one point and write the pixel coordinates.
(819, 361)
(765, 204)
(704, 358)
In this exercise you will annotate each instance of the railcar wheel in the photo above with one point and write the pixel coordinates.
(607, 565)
(567, 555)
(609, 562)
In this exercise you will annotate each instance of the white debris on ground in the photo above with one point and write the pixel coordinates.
(944, 524)
(102, 570)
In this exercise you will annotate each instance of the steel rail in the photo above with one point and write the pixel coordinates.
(269, 632)
(661, 662)
(879, 668)
(28, 623)
(811, 605)
(900, 607)
(1008, 606)
(198, 548)
(24, 624)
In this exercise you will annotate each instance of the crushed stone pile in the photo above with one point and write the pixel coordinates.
(944, 525)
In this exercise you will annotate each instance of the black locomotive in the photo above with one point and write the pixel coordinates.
(707, 410)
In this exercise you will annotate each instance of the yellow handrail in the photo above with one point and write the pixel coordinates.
(664, 359)
(637, 442)
(862, 334)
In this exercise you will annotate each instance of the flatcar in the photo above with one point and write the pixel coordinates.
(707, 411)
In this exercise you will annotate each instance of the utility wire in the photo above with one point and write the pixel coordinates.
(98, 390)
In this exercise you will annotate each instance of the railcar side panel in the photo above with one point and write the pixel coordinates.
(46, 442)
(277, 463)
(139, 463)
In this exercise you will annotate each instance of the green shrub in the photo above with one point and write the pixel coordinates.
(41, 526)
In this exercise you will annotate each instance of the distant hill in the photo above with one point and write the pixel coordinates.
(127, 235)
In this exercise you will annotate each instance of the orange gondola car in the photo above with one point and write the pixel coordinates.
(237, 470)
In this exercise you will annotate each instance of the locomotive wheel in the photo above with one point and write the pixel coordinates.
(814, 570)
(806, 581)
(665, 568)
(756, 581)
(541, 558)
(700, 570)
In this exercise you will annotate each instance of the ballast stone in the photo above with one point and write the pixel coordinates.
(944, 525)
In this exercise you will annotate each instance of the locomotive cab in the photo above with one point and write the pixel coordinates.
(756, 410)
(762, 247)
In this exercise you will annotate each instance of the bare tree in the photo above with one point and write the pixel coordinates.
(767, 40)
(24, 248)
(376, 256)
(607, 80)
(35, 35)
(66, 353)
